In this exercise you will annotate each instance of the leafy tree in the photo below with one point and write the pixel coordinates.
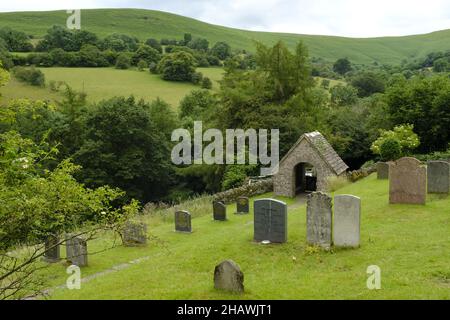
(32, 76)
(142, 65)
(91, 56)
(178, 66)
(343, 95)
(404, 137)
(123, 61)
(197, 77)
(342, 66)
(154, 44)
(15, 41)
(199, 44)
(221, 50)
(441, 65)
(206, 83)
(147, 54)
(197, 105)
(119, 43)
(368, 83)
(123, 147)
(187, 38)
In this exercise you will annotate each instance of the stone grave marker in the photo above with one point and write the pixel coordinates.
(134, 234)
(270, 221)
(242, 205)
(76, 251)
(407, 182)
(229, 277)
(382, 171)
(438, 176)
(347, 221)
(319, 219)
(219, 211)
(183, 221)
(52, 250)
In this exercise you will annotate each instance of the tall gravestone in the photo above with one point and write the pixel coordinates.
(438, 176)
(382, 171)
(319, 219)
(347, 221)
(183, 221)
(242, 205)
(219, 211)
(76, 251)
(52, 250)
(270, 221)
(134, 234)
(229, 277)
(407, 182)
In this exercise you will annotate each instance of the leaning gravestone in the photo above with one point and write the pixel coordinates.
(134, 234)
(347, 219)
(382, 171)
(242, 205)
(183, 221)
(407, 182)
(319, 219)
(270, 221)
(229, 277)
(52, 249)
(219, 211)
(76, 251)
(438, 176)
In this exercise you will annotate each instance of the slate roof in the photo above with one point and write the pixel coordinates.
(325, 150)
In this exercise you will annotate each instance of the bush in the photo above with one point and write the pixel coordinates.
(142, 65)
(197, 77)
(123, 62)
(153, 68)
(206, 83)
(177, 66)
(32, 76)
(390, 149)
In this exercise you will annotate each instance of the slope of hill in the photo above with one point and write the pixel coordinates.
(148, 23)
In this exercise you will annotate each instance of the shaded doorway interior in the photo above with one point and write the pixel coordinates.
(305, 178)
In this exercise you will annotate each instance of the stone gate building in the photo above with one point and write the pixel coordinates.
(307, 166)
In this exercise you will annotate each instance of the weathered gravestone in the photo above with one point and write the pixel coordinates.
(319, 219)
(134, 234)
(347, 220)
(242, 205)
(183, 221)
(407, 182)
(52, 250)
(219, 211)
(229, 277)
(382, 171)
(270, 221)
(76, 250)
(438, 176)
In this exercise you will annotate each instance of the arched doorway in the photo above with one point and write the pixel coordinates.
(305, 178)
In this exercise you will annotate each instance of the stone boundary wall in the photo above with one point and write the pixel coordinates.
(246, 190)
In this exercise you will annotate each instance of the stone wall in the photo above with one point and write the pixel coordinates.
(247, 190)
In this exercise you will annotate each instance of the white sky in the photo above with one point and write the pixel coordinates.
(353, 18)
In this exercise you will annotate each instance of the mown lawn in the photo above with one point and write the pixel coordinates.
(104, 83)
(410, 244)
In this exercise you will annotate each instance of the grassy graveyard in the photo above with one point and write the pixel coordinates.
(409, 243)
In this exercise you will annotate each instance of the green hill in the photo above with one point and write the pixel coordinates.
(147, 23)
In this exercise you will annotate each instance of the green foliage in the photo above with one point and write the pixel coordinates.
(221, 50)
(91, 56)
(119, 43)
(396, 143)
(342, 66)
(142, 65)
(441, 65)
(60, 37)
(206, 83)
(146, 53)
(424, 103)
(15, 41)
(154, 44)
(32, 76)
(4, 76)
(197, 77)
(178, 66)
(123, 61)
(368, 83)
(343, 95)
(197, 105)
(235, 175)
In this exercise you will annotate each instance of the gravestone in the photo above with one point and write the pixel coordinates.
(183, 221)
(134, 234)
(438, 176)
(219, 211)
(229, 277)
(382, 171)
(319, 219)
(242, 205)
(76, 251)
(270, 221)
(407, 182)
(52, 250)
(347, 220)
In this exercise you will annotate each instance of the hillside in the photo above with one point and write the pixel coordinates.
(147, 23)
(397, 238)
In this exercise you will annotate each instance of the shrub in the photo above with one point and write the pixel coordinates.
(123, 62)
(142, 65)
(177, 66)
(206, 83)
(390, 149)
(197, 77)
(153, 68)
(32, 76)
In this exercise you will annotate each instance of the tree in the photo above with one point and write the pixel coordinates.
(147, 54)
(178, 66)
(15, 41)
(221, 50)
(154, 44)
(123, 61)
(343, 95)
(368, 83)
(119, 43)
(398, 142)
(206, 83)
(142, 65)
(199, 44)
(441, 65)
(342, 66)
(91, 56)
(123, 147)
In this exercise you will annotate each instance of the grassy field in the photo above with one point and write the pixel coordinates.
(409, 243)
(147, 23)
(104, 83)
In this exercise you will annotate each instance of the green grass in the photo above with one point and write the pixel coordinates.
(409, 243)
(104, 83)
(147, 23)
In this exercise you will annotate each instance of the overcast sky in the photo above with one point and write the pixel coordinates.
(354, 18)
